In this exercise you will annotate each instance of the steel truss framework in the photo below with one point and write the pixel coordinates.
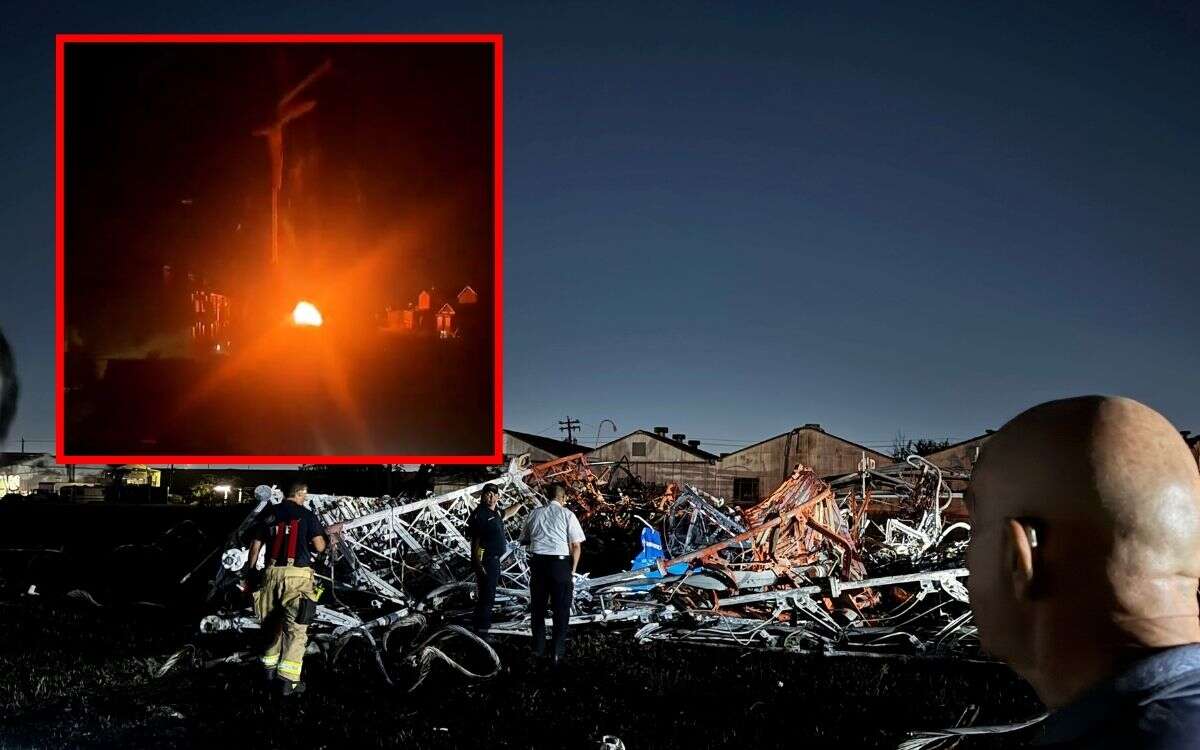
(803, 570)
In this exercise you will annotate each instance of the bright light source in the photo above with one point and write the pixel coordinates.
(306, 314)
(224, 489)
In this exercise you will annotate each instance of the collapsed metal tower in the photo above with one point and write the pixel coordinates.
(805, 570)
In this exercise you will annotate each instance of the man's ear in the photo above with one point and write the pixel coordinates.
(1020, 538)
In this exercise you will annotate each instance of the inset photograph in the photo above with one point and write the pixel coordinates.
(275, 250)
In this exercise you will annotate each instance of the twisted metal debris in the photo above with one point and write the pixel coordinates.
(793, 572)
(864, 564)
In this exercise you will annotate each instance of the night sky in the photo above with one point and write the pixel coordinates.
(875, 216)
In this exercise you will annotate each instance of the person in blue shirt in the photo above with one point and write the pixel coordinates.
(1084, 565)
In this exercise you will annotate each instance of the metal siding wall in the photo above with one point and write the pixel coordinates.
(961, 457)
(656, 450)
(515, 447)
(773, 460)
(766, 461)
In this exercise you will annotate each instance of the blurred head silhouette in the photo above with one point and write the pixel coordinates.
(8, 387)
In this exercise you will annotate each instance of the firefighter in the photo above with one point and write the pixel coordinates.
(286, 600)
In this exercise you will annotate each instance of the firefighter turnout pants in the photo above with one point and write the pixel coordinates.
(277, 603)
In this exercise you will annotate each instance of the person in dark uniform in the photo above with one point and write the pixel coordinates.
(285, 602)
(485, 529)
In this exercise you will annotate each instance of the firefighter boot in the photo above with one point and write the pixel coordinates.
(292, 688)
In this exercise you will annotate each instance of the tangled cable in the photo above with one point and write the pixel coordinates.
(948, 738)
(425, 654)
(421, 657)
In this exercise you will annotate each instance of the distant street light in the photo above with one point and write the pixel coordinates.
(600, 427)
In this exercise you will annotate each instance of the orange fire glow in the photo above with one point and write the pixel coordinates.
(273, 344)
(306, 314)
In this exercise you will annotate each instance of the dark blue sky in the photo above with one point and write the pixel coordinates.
(735, 218)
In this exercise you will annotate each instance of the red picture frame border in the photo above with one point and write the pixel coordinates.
(497, 42)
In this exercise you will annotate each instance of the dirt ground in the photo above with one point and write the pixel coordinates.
(74, 674)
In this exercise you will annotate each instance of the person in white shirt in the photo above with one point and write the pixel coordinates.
(555, 541)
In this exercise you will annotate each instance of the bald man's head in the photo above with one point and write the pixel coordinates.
(1085, 519)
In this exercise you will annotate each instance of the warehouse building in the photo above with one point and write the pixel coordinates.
(539, 447)
(658, 458)
(752, 473)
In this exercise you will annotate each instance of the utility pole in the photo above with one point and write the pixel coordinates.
(568, 426)
(285, 112)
